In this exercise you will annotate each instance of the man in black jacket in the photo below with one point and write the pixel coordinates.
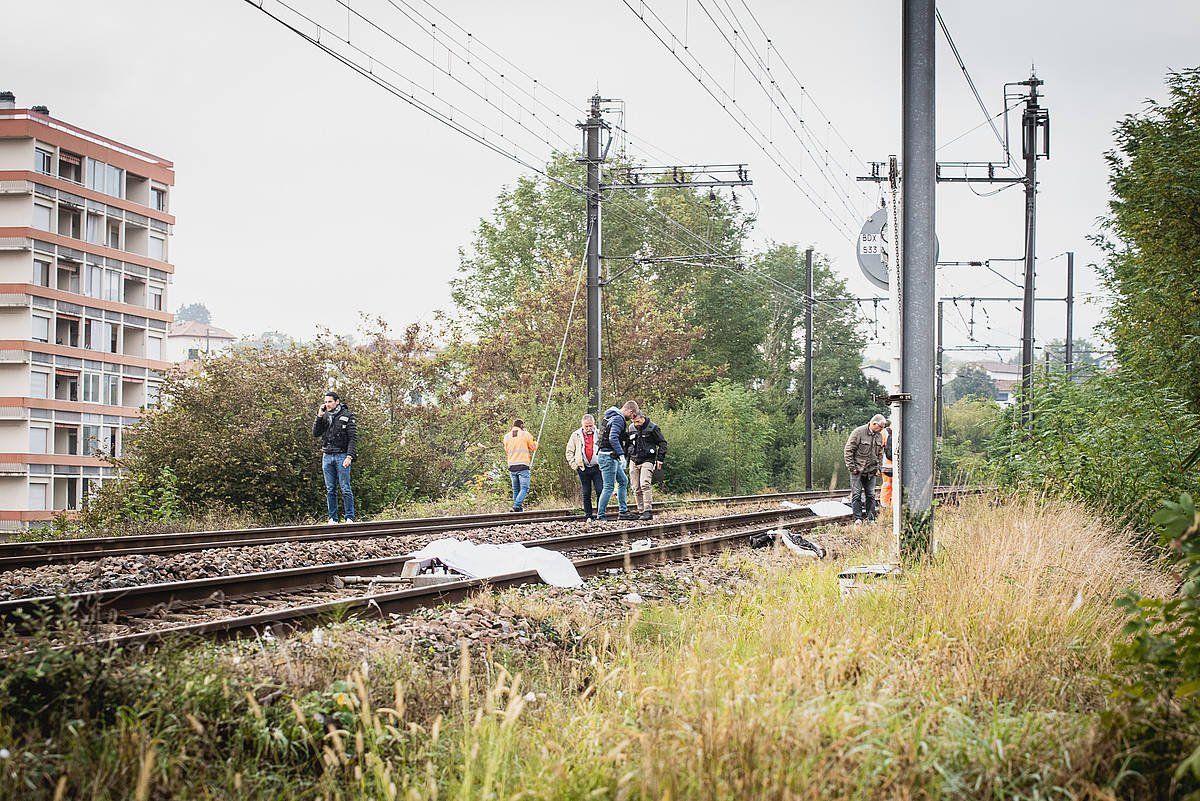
(647, 450)
(339, 441)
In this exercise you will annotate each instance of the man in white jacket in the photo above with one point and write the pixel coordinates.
(583, 447)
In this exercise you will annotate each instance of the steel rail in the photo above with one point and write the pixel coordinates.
(144, 597)
(16, 555)
(381, 605)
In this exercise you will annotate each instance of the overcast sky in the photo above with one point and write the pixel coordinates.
(307, 195)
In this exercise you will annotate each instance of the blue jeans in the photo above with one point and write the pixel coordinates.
(337, 476)
(611, 472)
(520, 484)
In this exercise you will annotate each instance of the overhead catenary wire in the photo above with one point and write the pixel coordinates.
(971, 83)
(758, 137)
(768, 92)
(370, 73)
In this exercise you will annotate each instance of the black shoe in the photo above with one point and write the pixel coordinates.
(646, 515)
(517, 509)
(588, 518)
(601, 519)
(627, 516)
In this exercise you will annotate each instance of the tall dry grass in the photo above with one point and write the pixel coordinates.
(979, 675)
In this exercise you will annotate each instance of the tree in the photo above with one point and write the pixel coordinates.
(536, 234)
(1152, 239)
(195, 312)
(842, 396)
(972, 381)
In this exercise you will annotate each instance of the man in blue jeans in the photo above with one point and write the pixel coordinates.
(614, 444)
(339, 441)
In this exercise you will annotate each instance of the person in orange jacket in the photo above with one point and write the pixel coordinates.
(519, 447)
(885, 466)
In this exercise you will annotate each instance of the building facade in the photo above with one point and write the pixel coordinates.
(85, 226)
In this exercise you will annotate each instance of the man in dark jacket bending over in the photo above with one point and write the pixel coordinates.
(339, 441)
(647, 450)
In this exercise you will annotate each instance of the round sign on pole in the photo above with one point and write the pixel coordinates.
(874, 249)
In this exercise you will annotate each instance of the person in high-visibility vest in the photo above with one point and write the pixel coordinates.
(885, 467)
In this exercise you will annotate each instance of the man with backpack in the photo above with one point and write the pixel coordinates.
(647, 451)
(614, 449)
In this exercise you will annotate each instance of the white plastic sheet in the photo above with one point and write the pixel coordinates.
(829, 508)
(486, 561)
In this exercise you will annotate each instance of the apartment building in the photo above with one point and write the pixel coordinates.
(85, 227)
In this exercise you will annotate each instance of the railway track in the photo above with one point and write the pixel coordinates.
(17, 555)
(301, 603)
(149, 613)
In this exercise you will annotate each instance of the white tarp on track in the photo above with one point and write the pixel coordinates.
(487, 561)
(829, 508)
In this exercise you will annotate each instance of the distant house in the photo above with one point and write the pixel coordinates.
(1005, 375)
(878, 369)
(189, 341)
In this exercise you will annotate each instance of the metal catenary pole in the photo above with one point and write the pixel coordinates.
(1069, 356)
(593, 159)
(918, 286)
(808, 369)
(1029, 137)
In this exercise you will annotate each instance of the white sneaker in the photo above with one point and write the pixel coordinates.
(331, 522)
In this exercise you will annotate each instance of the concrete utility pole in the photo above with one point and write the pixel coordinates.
(917, 279)
(808, 368)
(592, 128)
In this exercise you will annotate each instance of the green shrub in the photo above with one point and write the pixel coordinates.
(718, 443)
(1113, 441)
(1161, 684)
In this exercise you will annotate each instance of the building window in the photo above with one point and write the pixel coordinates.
(112, 285)
(95, 175)
(41, 329)
(41, 273)
(99, 336)
(95, 281)
(39, 439)
(95, 229)
(91, 387)
(69, 223)
(154, 347)
(113, 180)
(39, 384)
(158, 248)
(114, 234)
(37, 496)
(43, 161)
(152, 392)
(41, 217)
(193, 354)
(70, 167)
(112, 389)
(158, 198)
(156, 298)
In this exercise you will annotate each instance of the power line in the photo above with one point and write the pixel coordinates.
(368, 71)
(971, 83)
(795, 176)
